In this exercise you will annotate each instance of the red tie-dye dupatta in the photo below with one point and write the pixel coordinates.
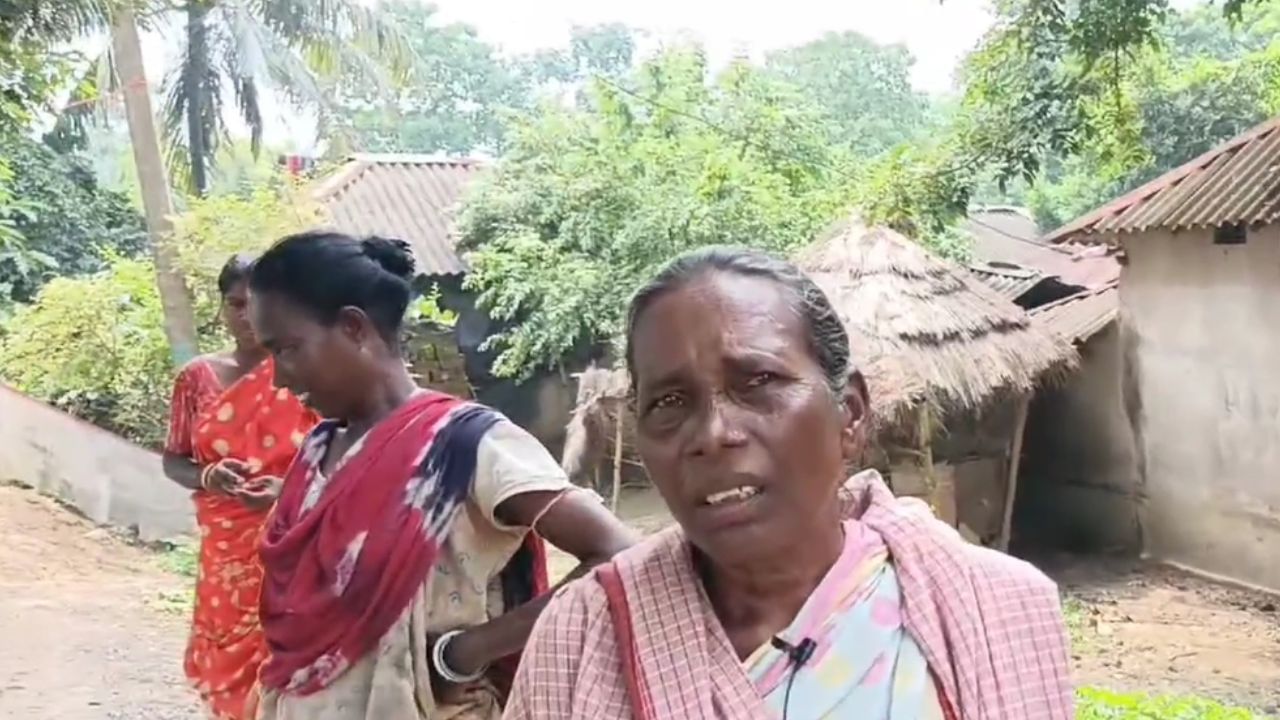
(346, 554)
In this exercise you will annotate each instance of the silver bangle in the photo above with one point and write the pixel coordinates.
(442, 667)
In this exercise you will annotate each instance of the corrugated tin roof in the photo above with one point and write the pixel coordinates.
(410, 197)
(1237, 182)
(1007, 235)
(1081, 316)
(1009, 280)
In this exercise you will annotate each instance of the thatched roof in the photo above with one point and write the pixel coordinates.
(921, 329)
(602, 401)
(924, 330)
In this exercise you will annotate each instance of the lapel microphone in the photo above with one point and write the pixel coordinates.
(798, 654)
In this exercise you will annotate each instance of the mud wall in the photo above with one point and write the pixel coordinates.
(1079, 486)
(1205, 354)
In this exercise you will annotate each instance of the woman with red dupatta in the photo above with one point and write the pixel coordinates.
(232, 435)
(403, 570)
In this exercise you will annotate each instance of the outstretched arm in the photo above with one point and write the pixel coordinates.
(573, 521)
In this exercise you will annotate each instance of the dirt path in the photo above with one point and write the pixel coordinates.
(85, 632)
(1142, 628)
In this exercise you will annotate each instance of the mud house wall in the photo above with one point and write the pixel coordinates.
(1079, 486)
(108, 479)
(1206, 356)
(971, 456)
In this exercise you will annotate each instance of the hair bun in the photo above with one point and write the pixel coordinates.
(393, 255)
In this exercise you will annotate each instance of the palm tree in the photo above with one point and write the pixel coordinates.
(301, 48)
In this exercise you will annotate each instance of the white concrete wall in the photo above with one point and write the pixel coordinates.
(108, 479)
(1205, 324)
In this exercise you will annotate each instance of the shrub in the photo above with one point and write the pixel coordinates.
(95, 346)
(1097, 704)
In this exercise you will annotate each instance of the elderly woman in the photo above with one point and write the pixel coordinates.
(784, 591)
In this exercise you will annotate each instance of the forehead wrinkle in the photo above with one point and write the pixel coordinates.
(732, 318)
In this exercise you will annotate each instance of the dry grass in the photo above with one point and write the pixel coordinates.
(925, 330)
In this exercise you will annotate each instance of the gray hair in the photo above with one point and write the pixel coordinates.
(828, 339)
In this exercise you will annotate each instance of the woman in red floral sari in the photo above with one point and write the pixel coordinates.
(232, 435)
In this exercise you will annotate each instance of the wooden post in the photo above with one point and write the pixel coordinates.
(175, 298)
(924, 436)
(617, 460)
(1015, 460)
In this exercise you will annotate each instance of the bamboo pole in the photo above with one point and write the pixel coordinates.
(1015, 460)
(617, 461)
(925, 438)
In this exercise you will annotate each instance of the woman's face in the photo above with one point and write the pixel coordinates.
(235, 315)
(326, 366)
(737, 425)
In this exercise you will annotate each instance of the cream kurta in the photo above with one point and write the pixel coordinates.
(393, 682)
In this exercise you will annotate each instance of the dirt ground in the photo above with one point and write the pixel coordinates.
(1147, 628)
(83, 623)
(91, 629)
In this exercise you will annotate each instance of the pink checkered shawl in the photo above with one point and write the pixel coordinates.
(990, 627)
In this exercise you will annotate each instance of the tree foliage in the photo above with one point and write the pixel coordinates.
(1202, 82)
(34, 62)
(95, 346)
(69, 226)
(451, 100)
(1049, 78)
(589, 201)
(863, 89)
(460, 92)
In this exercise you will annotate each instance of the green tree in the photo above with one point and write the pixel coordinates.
(451, 100)
(94, 345)
(588, 201)
(864, 89)
(1047, 79)
(35, 65)
(70, 221)
(1175, 101)
(34, 60)
(459, 93)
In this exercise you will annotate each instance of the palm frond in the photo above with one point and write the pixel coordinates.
(93, 100)
(263, 55)
(53, 21)
(310, 24)
(181, 85)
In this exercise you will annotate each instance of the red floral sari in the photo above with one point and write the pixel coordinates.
(255, 423)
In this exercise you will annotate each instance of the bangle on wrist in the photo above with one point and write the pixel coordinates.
(204, 476)
(442, 668)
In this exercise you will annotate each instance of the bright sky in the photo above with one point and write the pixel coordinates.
(937, 33)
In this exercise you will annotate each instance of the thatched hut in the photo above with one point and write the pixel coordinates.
(951, 366)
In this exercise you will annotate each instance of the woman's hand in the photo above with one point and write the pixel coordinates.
(259, 493)
(223, 477)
